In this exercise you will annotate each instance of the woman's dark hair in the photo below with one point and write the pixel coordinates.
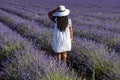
(62, 22)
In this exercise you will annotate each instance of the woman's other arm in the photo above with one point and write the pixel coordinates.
(71, 32)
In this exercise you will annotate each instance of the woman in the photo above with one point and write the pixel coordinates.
(63, 34)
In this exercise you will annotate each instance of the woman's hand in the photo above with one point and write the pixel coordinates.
(58, 8)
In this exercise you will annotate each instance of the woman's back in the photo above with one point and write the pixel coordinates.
(61, 40)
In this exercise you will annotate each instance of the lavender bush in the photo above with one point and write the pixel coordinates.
(37, 67)
(22, 14)
(24, 62)
(102, 36)
(95, 58)
(31, 16)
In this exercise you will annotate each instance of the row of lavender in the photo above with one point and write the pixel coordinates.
(97, 65)
(24, 62)
(28, 29)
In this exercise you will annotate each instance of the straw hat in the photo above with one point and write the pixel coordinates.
(62, 11)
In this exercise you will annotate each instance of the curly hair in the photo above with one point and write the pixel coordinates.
(62, 22)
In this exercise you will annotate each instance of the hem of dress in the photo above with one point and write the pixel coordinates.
(61, 51)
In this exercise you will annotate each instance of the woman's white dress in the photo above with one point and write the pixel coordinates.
(61, 40)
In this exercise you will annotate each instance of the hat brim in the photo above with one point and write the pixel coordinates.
(65, 13)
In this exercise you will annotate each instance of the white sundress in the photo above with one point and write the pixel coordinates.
(61, 40)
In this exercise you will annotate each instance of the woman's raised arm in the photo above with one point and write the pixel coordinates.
(50, 14)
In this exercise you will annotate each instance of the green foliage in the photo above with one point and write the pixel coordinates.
(110, 43)
(8, 50)
(45, 41)
(24, 15)
(23, 28)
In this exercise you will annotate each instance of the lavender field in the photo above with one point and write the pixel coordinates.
(26, 33)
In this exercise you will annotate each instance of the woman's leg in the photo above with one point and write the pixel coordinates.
(64, 56)
(58, 56)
